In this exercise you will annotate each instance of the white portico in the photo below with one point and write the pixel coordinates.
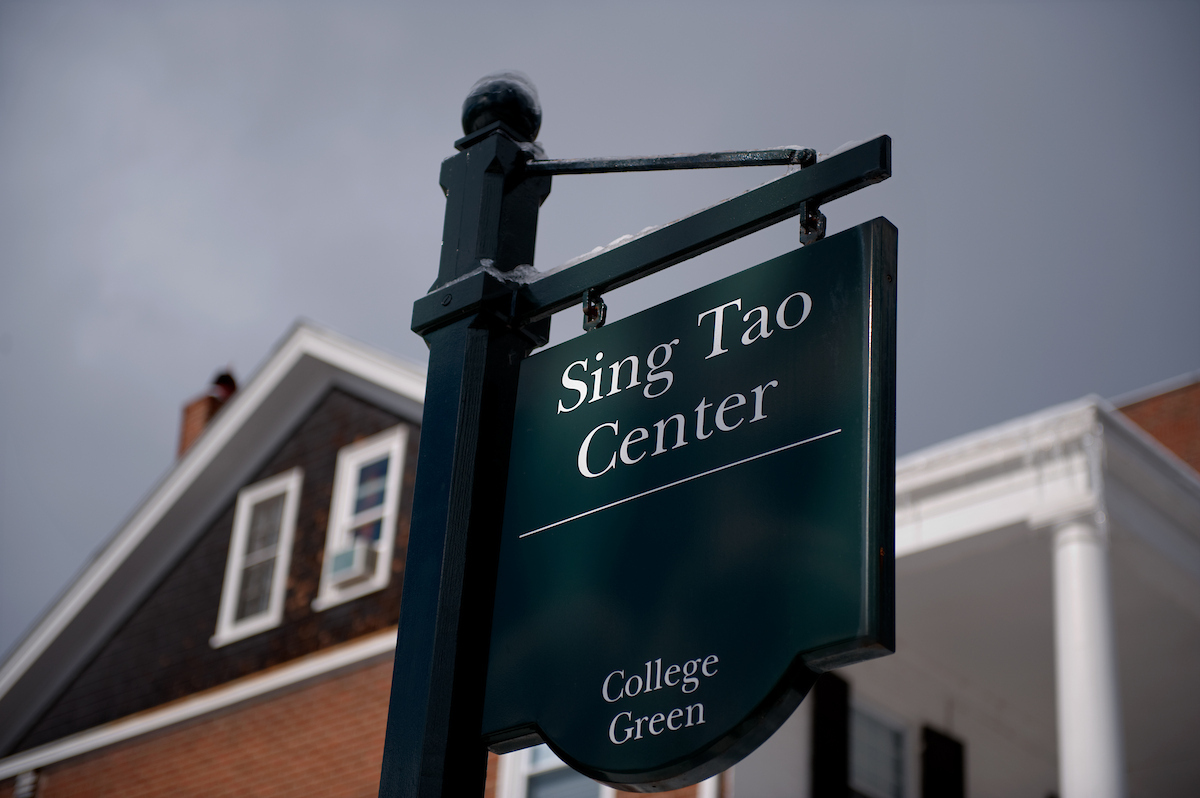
(1048, 619)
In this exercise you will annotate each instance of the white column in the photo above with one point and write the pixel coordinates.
(1091, 761)
(709, 788)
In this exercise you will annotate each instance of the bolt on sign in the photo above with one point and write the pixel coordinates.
(699, 518)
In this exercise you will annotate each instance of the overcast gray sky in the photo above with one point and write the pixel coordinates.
(180, 181)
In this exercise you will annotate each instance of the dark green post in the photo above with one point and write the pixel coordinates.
(433, 745)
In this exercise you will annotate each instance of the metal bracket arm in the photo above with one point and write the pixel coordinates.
(782, 156)
(464, 297)
(523, 303)
(693, 235)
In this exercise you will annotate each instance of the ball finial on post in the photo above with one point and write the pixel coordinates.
(508, 97)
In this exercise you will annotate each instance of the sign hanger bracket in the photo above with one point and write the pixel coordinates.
(780, 156)
(548, 293)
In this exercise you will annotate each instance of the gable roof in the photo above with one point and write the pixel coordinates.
(295, 376)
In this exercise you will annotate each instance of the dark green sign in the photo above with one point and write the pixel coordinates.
(699, 517)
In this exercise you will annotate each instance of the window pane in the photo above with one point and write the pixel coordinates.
(541, 756)
(255, 592)
(876, 756)
(562, 783)
(372, 482)
(265, 519)
(369, 531)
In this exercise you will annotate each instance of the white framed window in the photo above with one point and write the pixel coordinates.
(537, 773)
(260, 550)
(362, 518)
(877, 754)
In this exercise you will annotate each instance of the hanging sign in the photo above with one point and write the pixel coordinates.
(699, 518)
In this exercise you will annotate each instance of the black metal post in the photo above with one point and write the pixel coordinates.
(433, 745)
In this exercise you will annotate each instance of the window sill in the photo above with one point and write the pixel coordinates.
(257, 626)
(332, 598)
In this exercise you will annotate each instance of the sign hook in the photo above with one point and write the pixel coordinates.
(594, 310)
(812, 223)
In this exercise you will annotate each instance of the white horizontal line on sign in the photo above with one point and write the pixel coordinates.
(677, 482)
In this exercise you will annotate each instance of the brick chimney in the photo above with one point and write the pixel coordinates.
(198, 412)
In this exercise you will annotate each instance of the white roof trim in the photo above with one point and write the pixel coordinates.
(295, 672)
(1174, 465)
(304, 340)
(1157, 389)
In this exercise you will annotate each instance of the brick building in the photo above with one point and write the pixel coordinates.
(236, 636)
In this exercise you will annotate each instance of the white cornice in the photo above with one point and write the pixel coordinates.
(961, 455)
(293, 673)
(1036, 471)
(1025, 473)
